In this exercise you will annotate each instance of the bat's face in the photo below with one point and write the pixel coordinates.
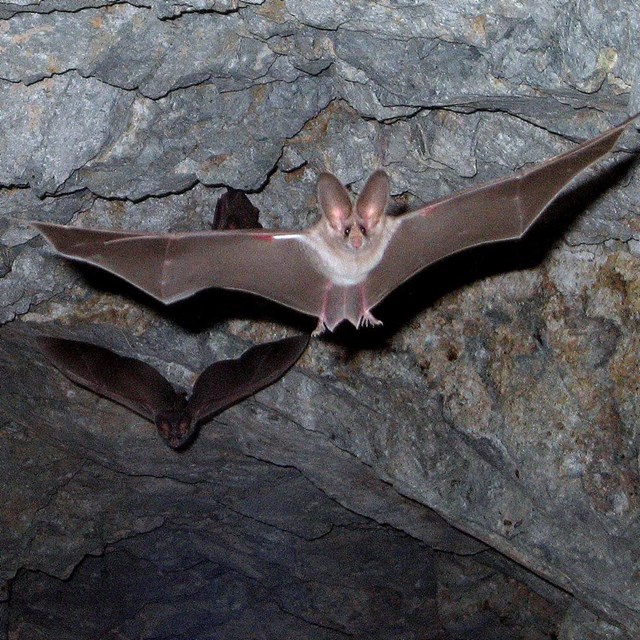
(358, 227)
(354, 234)
(175, 427)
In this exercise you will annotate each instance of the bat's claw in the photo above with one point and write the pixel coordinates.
(367, 319)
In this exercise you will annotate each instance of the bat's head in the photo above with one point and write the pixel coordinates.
(354, 226)
(175, 427)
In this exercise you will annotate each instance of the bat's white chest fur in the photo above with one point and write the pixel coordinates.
(342, 264)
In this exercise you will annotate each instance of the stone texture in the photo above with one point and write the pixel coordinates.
(471, 468)
(121, 542)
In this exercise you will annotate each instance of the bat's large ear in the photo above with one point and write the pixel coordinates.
(334, 200)
(373, 198)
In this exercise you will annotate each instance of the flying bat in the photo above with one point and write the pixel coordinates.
(139, 387)
(347, 262)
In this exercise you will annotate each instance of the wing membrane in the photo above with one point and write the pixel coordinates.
(227, 382)
(171, 267)
(501, 210)
(127, 381)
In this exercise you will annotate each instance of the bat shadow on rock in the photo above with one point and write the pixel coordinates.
(202, 311)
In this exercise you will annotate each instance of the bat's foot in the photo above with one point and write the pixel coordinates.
(367, 319)
(321, 327)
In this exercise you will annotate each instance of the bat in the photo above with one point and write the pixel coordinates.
(350, 259)
(139, 387)
(235, 211)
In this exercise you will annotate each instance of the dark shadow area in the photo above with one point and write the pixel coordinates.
(205, 309)
(181, 583)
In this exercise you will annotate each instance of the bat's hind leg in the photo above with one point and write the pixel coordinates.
(367, 319)
(322, 325)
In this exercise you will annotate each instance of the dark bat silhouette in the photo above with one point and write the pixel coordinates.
(235, 211)
(139, 387)
(345, 264)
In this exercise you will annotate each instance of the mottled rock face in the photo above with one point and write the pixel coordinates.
(468, 471)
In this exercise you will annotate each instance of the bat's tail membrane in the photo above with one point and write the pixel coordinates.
(342, 303)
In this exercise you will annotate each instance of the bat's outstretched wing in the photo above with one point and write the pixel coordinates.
(499, 210)
(311, 271)
(127, 381)
(227, 382)
(170, 267)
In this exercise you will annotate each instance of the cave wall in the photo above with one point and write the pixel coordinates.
(471, 466)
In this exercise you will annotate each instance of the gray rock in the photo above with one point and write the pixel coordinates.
(156, 147)
(163, 9)
(130, 48)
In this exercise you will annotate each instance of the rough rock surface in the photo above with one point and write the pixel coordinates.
(470, 470)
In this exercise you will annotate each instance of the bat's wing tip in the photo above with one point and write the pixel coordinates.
(40, 227)
(614, 134)
(49, 231)
(46, 344)
(631, 122)
(299, 340)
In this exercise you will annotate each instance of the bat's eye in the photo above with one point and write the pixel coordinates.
(363, 230)
(347, 231)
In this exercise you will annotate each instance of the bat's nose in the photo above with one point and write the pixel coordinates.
(356, 242)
